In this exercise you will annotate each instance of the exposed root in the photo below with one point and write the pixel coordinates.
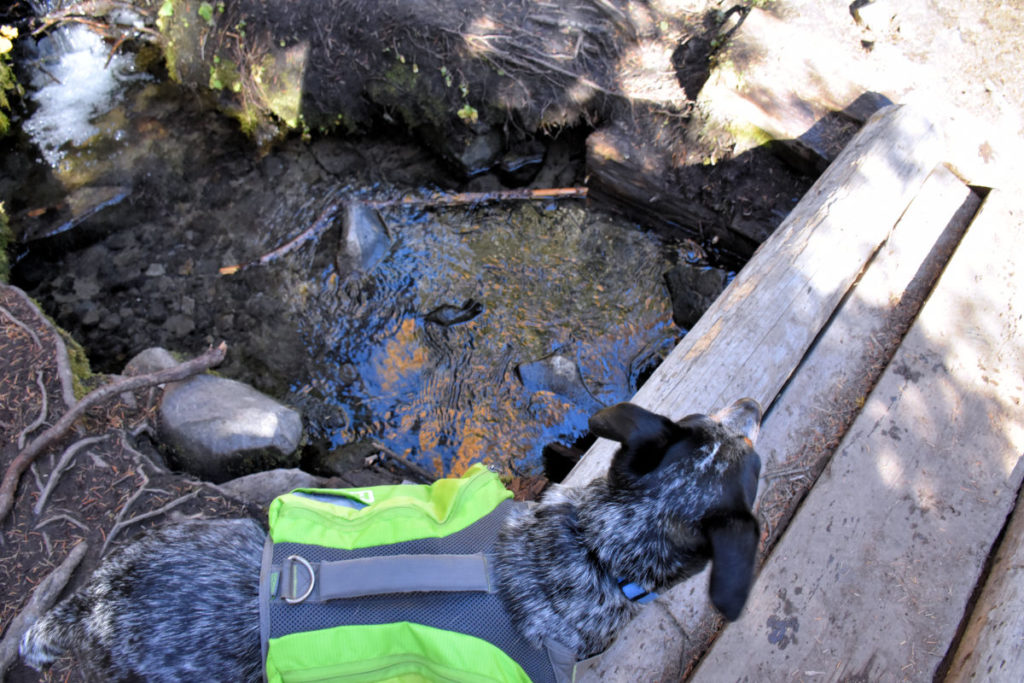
(63, 518)
(210, 358)
(36, 423)
(120, 526)
(62, 464)
(28, 330)
(43, 598)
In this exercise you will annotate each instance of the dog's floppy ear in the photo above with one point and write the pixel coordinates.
(644, 435)
(734, 541)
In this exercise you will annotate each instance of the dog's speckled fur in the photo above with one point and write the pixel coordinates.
(181, 603)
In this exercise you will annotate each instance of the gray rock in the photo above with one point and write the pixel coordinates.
(561, 375)
(693, 289)
(153, 359)
(260, 488)
(220, 429)
(364, 241)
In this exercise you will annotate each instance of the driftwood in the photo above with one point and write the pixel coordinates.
(43, 598)
(8, 488)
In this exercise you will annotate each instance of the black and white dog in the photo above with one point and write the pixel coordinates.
(181, 603)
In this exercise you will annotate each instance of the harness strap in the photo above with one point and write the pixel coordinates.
(303, 581)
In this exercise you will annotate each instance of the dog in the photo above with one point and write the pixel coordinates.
(181, 602)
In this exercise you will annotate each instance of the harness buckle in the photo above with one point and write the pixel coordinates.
(312, 579)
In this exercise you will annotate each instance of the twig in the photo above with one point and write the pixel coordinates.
(413, 467)
(139, 518)
(64, 518)
(139, 456)
(42, 412)
(28, 330)
(8, 488)
(58, 469)
(322, 222)
(128, 503)
(43, 597)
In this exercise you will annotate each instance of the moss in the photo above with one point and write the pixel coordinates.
(81, 372)
(5, 240)
(8, 82)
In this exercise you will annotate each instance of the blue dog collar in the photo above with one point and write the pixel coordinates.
(636, 593)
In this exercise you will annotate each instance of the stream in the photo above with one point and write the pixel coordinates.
(460, 334)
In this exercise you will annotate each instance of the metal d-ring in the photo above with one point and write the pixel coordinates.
(312, 580)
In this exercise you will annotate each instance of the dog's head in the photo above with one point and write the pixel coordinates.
(702, 473)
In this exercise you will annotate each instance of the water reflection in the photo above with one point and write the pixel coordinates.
(540, 283)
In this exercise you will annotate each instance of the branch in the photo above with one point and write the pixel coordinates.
(148, 515)
(325, 219)
(212, 357)
(43, 597)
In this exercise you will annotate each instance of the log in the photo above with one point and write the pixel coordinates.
(754, 336)
(875, 572)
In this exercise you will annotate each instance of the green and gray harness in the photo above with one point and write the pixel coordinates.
(393, 583)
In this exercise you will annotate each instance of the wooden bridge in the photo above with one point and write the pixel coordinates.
(879, 328)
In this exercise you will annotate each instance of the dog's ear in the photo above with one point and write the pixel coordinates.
(734, 540)
(643, 434)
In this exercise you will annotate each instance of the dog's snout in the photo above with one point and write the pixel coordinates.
(743, 416)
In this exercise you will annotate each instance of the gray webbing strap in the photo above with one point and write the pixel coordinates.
(383, 575)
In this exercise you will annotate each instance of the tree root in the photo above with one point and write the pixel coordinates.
(62, 464)
(28, 330)
(120, 526)
(61, 353)
(43, 598)
(42, 412)
(9, 486)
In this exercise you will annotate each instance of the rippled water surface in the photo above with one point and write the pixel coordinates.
(567, 310)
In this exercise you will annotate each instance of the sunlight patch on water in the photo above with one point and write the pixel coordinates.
(72, 83)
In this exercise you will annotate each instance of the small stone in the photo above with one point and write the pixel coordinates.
(156, 270)
(153, 359)
(260, 488)
(179, 325)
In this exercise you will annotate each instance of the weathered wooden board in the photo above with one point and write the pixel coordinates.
(814, 409)
(751, 339)
(874, 573)
(990, 647)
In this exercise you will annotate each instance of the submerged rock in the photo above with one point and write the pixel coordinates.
(693, 289)
(220, 428)
(364, 241)
(560, 375)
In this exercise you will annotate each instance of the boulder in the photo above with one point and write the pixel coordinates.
(220, 429)
(259, 488)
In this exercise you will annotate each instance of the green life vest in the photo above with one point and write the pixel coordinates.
(393, 583)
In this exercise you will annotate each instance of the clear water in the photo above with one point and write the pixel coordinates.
(551, 281)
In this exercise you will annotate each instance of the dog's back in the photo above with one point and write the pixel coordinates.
(180, 603)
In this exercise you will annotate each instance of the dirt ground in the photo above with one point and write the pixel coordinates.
(960, 61)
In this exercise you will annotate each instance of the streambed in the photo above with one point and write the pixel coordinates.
(482, 331)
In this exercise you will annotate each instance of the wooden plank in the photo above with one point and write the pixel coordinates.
(756, 333)
(872, 577)
(808, 419)
(990, 647)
